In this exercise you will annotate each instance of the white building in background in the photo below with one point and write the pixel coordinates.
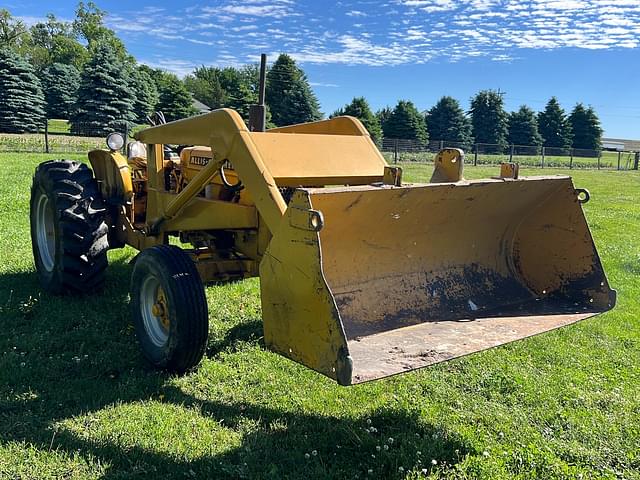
(620, 145)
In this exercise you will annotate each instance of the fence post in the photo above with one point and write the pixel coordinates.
(46, 135)
(571, 159)
(599, 156)
(441, 144)
(636, 161)
(542, 159)
(126, 137)
(619, 160)
(511, 153)
(475, 156)
(395, 150)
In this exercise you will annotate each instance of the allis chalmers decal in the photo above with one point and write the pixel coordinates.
(203, 161)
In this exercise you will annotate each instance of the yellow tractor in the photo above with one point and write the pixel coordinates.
(361, 275)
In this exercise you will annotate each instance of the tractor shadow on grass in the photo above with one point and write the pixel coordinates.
(66, 360)
(249, 331)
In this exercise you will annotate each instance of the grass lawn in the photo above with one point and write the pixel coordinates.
(77, 402)
(58, 126)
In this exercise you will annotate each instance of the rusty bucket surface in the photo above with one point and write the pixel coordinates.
(389, 279)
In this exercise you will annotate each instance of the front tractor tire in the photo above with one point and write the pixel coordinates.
(169, 308)
(69, 234)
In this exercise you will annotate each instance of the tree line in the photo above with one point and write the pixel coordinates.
(487, 122)
(81, 71)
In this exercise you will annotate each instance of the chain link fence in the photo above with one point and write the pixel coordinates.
(56, 136)
(402, 150)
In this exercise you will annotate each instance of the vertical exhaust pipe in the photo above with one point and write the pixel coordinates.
(258, 113)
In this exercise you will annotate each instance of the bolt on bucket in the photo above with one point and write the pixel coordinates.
(360, 283)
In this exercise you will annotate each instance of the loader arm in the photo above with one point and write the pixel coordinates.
(227, 135)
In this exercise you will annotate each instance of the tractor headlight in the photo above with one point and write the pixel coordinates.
(115, 141)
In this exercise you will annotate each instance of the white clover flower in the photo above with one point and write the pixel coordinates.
(314, 453)
(418, 453)
(401, 469)
(377, 448)
(386, 447)
(368, 421)
(434, 462)
(485, 454)
(370, 471)
(307, 456)
(390, 440)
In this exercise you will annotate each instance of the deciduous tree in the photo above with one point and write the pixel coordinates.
(11, 30)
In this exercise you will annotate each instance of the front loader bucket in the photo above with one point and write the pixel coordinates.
(360, 283)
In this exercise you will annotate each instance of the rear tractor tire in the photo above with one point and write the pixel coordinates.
(69, 234)
(169, 308)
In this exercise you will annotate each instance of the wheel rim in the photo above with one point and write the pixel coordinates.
(45, 232)
(155, 314)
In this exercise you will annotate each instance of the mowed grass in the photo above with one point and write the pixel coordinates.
(76, 400)
(58, 126)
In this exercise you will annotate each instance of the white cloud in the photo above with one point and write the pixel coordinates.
(177, 66)
(394, 32)
(273, 9)
(321, 84)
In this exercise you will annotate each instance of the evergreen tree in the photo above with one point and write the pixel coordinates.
(407, 123)
(447, 121)
(359, 108)
(488, 118)
(585, 124)
(146, 94)
(105, 99)
(60, 83)
(21, 98)
(175, 100)
(554, 126)
(383, 117)
(523, 127)
(289, 95)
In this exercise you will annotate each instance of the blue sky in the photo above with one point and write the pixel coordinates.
(578, 50)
